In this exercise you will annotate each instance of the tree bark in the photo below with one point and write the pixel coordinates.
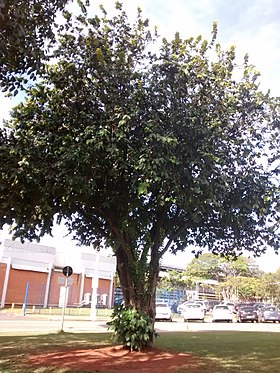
(139, 291)
(3, 14)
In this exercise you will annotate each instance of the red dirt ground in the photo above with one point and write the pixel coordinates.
(117, 359)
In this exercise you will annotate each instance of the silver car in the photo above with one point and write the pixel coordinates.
(269, 314)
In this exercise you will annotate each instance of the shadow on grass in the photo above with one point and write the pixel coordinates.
(16, 349)
(223, 352)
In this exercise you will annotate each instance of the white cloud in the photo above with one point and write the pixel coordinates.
(251, 25)
(263, 48)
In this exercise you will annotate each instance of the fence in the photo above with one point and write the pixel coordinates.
(35, 297)
(172, 297)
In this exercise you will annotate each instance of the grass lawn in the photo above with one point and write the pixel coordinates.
(230, 352)
(246, 352)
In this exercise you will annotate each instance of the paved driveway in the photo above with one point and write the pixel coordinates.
(14, 325)
(18, 325)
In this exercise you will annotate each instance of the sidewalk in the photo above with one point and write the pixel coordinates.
(11, 324)
(56, 313)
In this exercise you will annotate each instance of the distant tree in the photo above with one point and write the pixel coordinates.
(269, 288)
(206, 266)
(146, 151)
(239, 288)
(174, 280)
(241, 266)
(210, 266)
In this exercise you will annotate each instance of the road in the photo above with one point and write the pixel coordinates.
(14, 325)
(20, 325)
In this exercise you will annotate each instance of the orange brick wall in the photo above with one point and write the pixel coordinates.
(18, 280)
(58, 281)
(87, 285)
(103, 286)
(2, 277)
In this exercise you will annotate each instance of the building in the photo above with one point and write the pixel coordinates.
(31, 274)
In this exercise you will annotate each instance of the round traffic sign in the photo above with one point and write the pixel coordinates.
(67, 271)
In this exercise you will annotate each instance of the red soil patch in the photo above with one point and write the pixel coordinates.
(117, 359)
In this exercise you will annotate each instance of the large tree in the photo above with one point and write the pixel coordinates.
(143, 145)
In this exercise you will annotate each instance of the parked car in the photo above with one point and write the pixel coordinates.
(247, 313)
(202, 304)
(118, 301)
(269, 314)
(231, 306)
(194, 312)
(181, 307)
(221, 312)
(174, 307)
(243, 304)
(163, 312)
(213, 303)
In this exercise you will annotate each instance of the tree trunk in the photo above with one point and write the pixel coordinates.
(4, 15)
(138, 282)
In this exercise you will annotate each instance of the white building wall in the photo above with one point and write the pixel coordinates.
(28, 256)
(46, 259)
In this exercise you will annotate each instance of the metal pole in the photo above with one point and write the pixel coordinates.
(64, 302)
(93, 309)
(41, 296)
(26, 298)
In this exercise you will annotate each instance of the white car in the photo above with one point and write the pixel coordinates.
(181, 308)
(202, 304)
(222, 312)
(231, 306)
(194, 312)
(163, 312)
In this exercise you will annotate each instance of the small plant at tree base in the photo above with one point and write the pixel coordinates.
(132, 328)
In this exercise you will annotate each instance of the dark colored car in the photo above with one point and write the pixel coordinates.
(118, 301)
(247, 313)
(269, 314)
(174, 307)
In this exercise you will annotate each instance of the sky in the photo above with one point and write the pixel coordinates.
(250, 25)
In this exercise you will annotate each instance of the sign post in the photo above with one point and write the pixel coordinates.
(94, 286)
(67, 271)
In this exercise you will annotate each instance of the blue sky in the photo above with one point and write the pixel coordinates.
(251, 25)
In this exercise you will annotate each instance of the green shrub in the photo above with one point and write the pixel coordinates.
(132, 328)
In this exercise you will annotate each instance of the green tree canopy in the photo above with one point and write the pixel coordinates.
(174, 280)
(269, 288)
(214, 267)
(26, 35)
(239, 288)
(146, 150)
